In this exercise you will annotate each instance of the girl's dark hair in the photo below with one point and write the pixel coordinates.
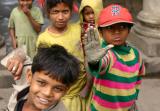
(52, 3)
(57, 63)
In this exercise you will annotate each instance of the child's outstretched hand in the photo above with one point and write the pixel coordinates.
(92, 47)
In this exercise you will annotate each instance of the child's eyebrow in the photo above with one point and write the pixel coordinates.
(60, 85)
(54, 86)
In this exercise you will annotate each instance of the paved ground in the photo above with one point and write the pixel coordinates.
(149, 98)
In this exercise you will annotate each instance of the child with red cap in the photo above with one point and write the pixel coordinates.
(117, 68)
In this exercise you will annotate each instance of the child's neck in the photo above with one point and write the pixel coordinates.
(29, 107)
(57, 30)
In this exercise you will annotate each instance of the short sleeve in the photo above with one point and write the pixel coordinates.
(37, 15)
(11, 23)
(39, 40)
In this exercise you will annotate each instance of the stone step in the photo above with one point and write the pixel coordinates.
(6, 79)
(5, 93)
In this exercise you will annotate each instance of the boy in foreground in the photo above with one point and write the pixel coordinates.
(52, 72)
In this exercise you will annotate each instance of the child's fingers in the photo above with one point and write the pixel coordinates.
(84, 36)
(15, 67)
(92, 33)
(85, 39)
(16, 77)
(10, 64)
(88, 33)
(96, 37)
(18, 72)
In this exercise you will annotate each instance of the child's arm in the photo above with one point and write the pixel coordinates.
(36, 25)
(13, 37)
(140, 74)
(15, 62)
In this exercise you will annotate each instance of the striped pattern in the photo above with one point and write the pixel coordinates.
(116, 83)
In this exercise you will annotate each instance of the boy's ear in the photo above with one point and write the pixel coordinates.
(29, 75)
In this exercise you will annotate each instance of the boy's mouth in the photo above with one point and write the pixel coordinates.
(43, 101)
(116, 38)
(61, 23)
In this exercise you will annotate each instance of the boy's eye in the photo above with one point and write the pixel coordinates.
(65, 11)
(57, 11)
(54, 12)
(86, 13)
(121, 27)
(109, 28)
(41, 83)
(58, 89)
(89, 13)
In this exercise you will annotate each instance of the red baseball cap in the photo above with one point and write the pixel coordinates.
(113, 14)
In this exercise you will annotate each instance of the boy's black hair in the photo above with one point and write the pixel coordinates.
(57, 63)
(52, 3)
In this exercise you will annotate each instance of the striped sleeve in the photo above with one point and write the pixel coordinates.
(140, 74)
(104, 64)
(142, 66)
(101, 67)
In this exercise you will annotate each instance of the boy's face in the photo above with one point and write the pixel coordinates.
(115, 34)
(60, 16)
(25, 3)
(88, 15)
(44, 91)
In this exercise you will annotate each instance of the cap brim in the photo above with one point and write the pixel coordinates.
(120, 21)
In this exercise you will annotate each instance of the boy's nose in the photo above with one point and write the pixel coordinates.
(116, 30)
(25, 2)
(60, 16)
(47, 92)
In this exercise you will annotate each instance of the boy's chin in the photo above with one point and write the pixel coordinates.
(42, 106)
(118, 43)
